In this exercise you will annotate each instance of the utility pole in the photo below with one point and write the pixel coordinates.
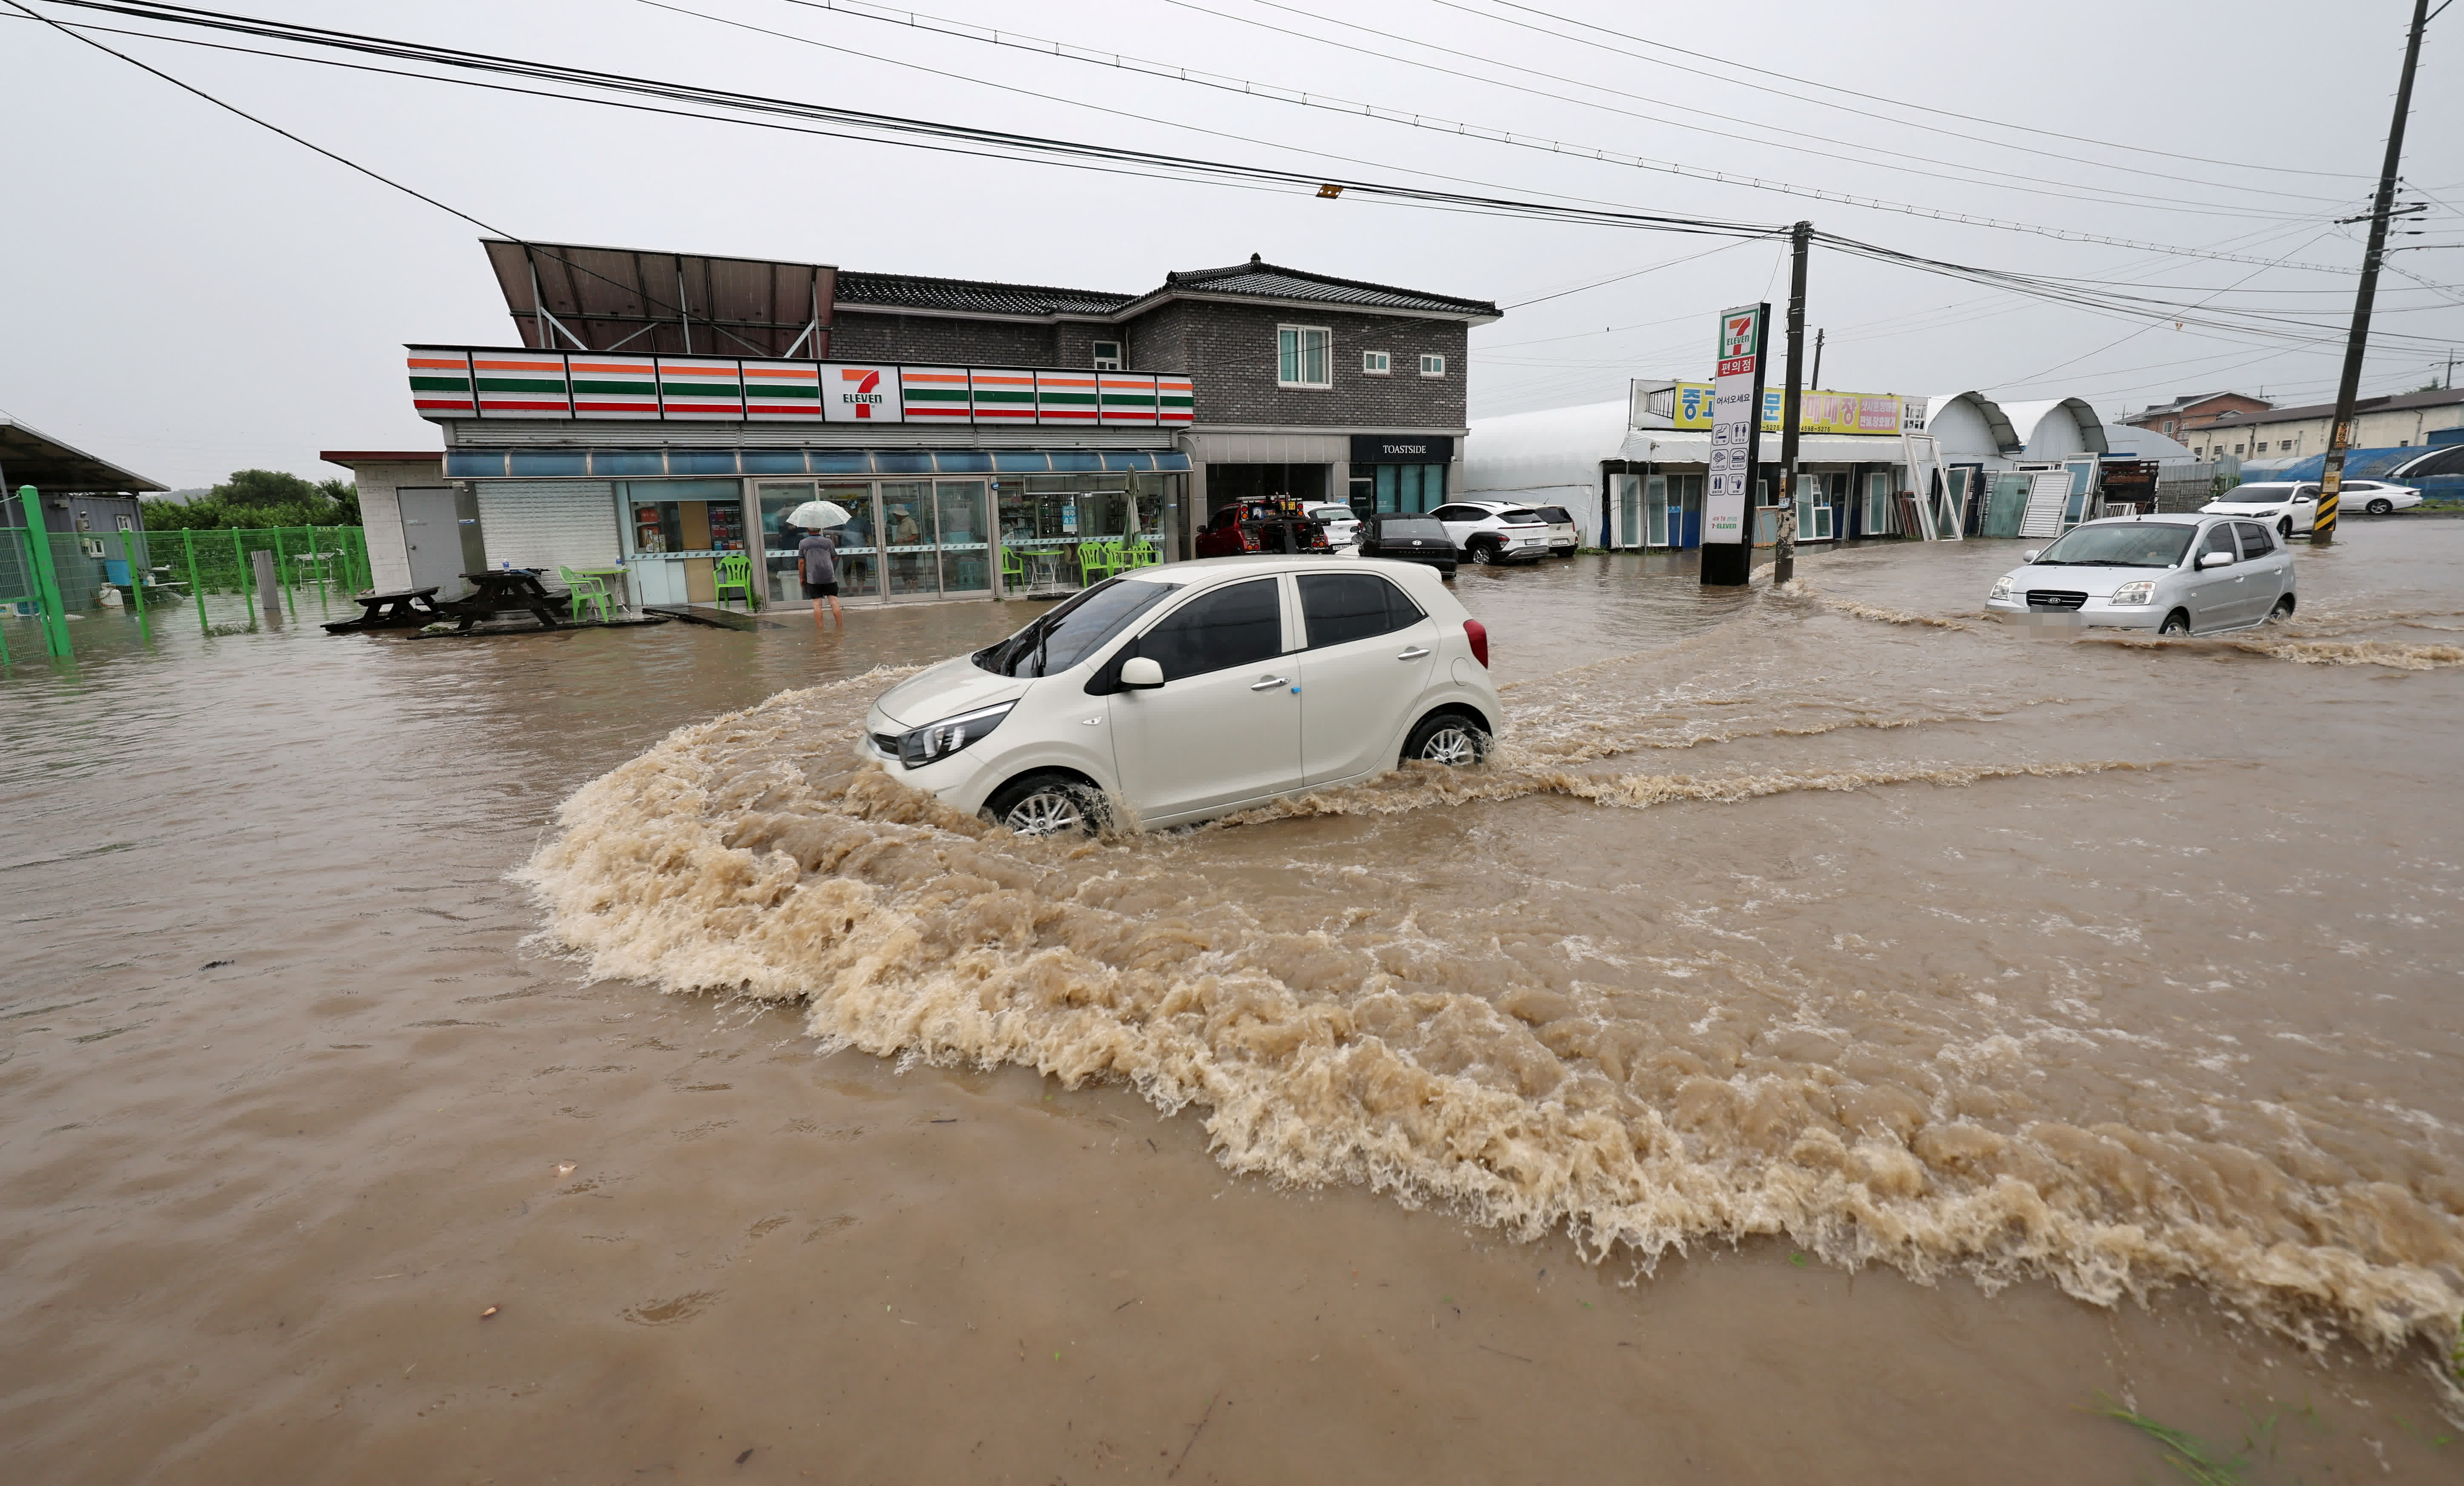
(1800, 238)
(1814, 382)
(2339, 432)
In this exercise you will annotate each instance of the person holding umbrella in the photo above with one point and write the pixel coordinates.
(817, 556)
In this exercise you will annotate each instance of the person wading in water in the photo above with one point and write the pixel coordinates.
(817, 560)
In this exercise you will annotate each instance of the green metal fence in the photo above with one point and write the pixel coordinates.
(48, 575)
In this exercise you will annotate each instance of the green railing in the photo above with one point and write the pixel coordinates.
(48, 575)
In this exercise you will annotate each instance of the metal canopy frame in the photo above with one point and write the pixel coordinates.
(29, 457)
(564, 296)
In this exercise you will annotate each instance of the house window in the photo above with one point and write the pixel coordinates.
(1433, 366)
(1108, 356)
(2259, 447)
(1303, 355)
(2237, 448)
(127, 524)
(1376, 363)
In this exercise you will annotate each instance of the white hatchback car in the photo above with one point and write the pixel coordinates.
(1341, 522)
(2376, 497)
(2176, 575)
(1194, 689)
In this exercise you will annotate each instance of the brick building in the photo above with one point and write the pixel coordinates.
(989, 438)
(2183, 416)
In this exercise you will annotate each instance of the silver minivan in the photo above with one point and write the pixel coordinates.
(2177, 575)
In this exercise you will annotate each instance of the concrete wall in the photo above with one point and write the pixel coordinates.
(388, 559)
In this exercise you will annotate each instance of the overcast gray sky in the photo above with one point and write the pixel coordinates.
(186, 294)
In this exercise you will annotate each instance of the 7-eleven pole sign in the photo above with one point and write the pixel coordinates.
(861, 394)
(1736, 421)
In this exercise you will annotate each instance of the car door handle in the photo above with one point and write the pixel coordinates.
(1413, 653)
(1268, 684)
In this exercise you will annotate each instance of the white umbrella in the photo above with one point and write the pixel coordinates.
(814, 515)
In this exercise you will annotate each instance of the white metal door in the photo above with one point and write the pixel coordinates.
(432, 534)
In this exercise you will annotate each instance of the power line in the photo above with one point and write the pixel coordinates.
(1943, 112)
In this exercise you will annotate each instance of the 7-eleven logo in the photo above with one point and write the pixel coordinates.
(866, 394)
(1737, 335)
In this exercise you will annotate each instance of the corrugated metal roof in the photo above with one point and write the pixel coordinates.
(623, 298)
(1272, 281)
(971, 297)
(29, 457)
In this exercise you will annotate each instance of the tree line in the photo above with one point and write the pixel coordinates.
(259, 498)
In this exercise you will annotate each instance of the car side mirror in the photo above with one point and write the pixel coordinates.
(2030, 556)
(2214, 559)
(1141, 674)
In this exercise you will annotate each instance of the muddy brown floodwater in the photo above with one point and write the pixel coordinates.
(1839, 1037)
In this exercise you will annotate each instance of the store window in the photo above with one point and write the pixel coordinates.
(1411, 489)
(675, 532)
(1303, 355)
(1376, 363)
(1433, 366)
(1062, 532)
(1108, 356)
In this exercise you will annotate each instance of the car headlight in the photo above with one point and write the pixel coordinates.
(937, 740)
(2001, 590)
(2142, 592)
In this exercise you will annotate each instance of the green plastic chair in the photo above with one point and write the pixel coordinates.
(591, 591)
(1098, 560)
(735, 571)
(1140, 553)
(1013, 568)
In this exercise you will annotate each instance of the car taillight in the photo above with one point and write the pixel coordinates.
(1249, 542)
(1478, 634)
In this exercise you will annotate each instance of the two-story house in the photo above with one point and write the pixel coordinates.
(2185, 415)
(667, 411)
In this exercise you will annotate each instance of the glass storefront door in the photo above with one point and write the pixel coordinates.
(965, 539)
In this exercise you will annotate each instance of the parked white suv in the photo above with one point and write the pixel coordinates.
(1495, 530)
(1194, 689)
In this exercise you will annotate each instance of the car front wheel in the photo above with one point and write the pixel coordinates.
(2177, 623)
(1047, 804)
(2284, 528)
(2381, 506)
(1449, 738)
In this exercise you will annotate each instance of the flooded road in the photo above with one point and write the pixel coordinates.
(1837, 1036)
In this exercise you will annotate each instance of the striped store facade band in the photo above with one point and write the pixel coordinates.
(935, 394)
(702, 388)
(1004, 396)
(520, 384)
(440, 383)
(462, 381)
(1175, 399)
(1065, 397)
(783, 389)
(1126, 399)
(609, 385)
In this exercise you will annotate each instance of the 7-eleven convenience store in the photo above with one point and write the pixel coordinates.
(663, 412)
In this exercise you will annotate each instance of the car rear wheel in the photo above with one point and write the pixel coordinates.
(2282, 611)
(1047, 804)
(2177, 623)
(1447, 738)
(1484, 553)
(2381, 506)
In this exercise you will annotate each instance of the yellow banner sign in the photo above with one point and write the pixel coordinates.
(1823, 412)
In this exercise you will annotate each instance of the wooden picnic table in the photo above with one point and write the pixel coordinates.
(504, 588)
(404, 608)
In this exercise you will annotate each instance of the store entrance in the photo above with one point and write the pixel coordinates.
(904, 540)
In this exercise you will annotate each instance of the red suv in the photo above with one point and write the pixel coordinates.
(1248, 526)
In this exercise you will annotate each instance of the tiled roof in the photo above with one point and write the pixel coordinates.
(971, 297)
(2401, 403)
(2193, 401)
(1269, 281)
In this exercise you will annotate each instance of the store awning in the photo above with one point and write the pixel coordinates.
(1670, 448)
(649, 463)
(28, 457)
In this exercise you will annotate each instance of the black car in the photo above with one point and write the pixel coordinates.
(1408, 540)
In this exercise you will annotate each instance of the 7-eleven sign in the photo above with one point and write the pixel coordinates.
(861, 394)
(1741, 341)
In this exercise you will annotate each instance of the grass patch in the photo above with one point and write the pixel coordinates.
(2191, 1456)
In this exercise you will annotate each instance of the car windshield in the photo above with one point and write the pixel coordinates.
(1064, 636)
(2122, 544)
(2257, 495)
(1392, 529)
